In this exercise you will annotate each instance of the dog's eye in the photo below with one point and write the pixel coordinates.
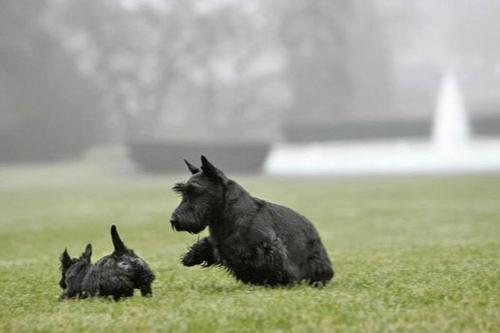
(194, 189)
(124, 265)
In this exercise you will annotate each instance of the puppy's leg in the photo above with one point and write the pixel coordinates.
(200, 253)
(320, 269)
(63, 296)
(146, 291)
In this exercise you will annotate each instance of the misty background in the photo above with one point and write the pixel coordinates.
(230, 79)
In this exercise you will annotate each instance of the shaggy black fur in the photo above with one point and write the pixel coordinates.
(116, 275)
(257, 241)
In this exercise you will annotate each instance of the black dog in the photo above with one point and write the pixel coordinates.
(257, 241)
(116, 275)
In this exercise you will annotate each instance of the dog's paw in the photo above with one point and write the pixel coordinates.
(189, 260)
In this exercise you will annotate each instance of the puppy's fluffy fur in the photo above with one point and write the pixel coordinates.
(116, 275)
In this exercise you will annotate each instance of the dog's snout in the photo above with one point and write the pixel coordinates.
(174, 221)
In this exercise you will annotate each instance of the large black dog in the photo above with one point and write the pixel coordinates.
(257, 241)
(116, 275)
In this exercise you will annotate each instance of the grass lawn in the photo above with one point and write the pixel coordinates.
(410, 254)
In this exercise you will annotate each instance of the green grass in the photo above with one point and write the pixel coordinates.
(410, 253)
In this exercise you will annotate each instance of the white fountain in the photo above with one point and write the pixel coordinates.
(450, 150)
(451, 127)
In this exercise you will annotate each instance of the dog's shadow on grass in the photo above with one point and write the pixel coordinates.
(217, 282)
(239, 287)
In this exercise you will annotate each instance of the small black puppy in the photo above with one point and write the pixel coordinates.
(116, 275)
(257, 241)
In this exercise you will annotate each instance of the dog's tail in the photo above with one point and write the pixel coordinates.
(117, 242)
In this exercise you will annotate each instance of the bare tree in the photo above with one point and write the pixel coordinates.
(176, 71)
(48, 110)
(339, 60)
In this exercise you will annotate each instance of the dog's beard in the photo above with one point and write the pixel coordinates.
(62, 282)
(194, 226)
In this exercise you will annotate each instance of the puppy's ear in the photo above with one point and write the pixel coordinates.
(191, 167)
(117, 242)
(88, 253)
(65, 260)
(211, 171)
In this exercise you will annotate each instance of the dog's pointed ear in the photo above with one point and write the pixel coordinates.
(117, 242)
(191, 167)
(211, 171)
(87, 254)
(65, 260)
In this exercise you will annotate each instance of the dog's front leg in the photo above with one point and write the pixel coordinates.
(200, 253)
